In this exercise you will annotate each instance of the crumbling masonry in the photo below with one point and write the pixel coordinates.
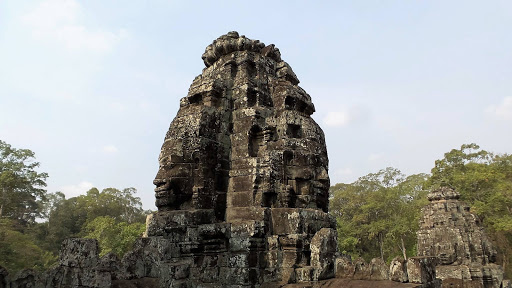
(242, 189)
(450, 232)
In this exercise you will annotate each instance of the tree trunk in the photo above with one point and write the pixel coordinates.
(381, 244)
(505, 260)
(3, 201)
(404, 251)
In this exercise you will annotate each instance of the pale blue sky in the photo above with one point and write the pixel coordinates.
(92, 86)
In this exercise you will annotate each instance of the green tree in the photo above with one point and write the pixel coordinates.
(19, 250)
(122, 205)
(21, 186)
(71, 217)
(113, 236)
(377, 215)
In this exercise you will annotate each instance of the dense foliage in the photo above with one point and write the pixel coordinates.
(21, 186)
(378, 214)
(114, 217)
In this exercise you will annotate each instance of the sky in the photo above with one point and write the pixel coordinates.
(92, 86)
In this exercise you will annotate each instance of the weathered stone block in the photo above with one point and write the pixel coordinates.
(492, 275)
(456, 272)
(460, 283)
(236, 276)
(378, 269)
(421, 269)
(286, 221)
(240, 199)
(344, 268)
(234, 214)
(361, 269)
(398, 270)
(172, 222)
(304, 274)
(323, 248)
(79, 252)
(24, 278)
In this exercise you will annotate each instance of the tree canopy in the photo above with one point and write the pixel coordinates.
(377, 215)
(21, 186)
(114, 217)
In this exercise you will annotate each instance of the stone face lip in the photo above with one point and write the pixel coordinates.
(451, 233)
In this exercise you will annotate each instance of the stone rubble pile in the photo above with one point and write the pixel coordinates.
(418, 270)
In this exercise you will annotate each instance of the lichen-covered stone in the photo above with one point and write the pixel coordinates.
(344, 267)
(361, 270)
(459, 283)
(379, 270)
(79, 252)
(451, 233)
(242, 189)
(398, 270)
(323, 250)
(376, 270)
(24, 279)
(421, 269)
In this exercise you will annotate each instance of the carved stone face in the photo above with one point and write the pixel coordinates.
(173, 182)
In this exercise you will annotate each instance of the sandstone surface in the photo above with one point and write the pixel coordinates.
(450, 232)
(242, 189)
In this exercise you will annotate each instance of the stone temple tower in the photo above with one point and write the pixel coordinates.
(242, 188)
(450, 232)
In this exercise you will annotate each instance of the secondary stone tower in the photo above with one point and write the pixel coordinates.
(242, 189)
(450, 232)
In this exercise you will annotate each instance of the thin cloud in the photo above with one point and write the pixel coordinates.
(374, 157)
(356, 114)
(110, 149)
(503, 110)
(58, 21)
(343, 172)
(76, 189)
(336, 119)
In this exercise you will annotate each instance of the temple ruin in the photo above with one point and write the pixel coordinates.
(242, 193)
(242, 189)
(450, 232)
